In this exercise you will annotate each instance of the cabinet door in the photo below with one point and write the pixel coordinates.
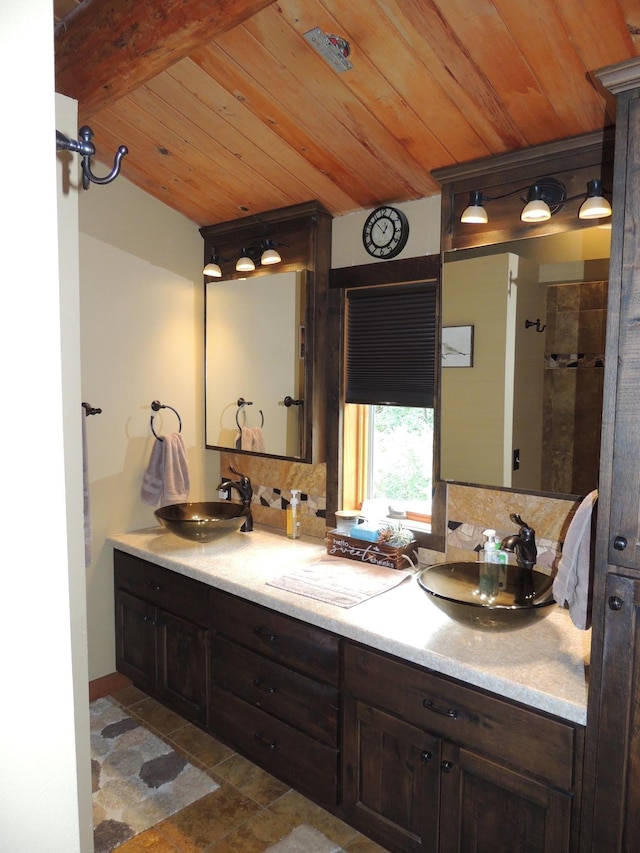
(136, 640)
(488, 808)
(622, 411)
(182, 649)
(616, 816)
(391, 779)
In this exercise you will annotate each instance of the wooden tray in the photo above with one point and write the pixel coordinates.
(339, 545)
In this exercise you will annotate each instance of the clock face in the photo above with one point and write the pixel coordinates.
(385, 232)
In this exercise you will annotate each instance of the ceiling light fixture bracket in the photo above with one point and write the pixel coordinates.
(333, 49)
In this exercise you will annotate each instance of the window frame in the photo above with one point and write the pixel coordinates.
(405, 271)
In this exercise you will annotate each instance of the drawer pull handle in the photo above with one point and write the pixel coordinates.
(446, 712)
(615, 602)
(266, 688)
(264, 740)
(154, 586)
(426, 756)
(447, 766)
(266, 634)
(620, 543)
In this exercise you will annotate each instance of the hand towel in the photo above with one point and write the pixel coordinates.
(166, 479)
(252, 439)
(88, 536)
(572, 585)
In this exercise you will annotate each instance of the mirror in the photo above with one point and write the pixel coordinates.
(255, 364)
(529, 391)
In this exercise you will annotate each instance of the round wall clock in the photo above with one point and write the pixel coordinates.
(385, 232)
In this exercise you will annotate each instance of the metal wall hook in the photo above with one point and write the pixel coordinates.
(537, 324)
(289, 401)
(156, 405)
(85, 147)
(89, 409)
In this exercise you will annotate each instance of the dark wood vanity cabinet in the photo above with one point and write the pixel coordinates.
(415, 760)
(161, 635)
(432, 765)
(275, 693)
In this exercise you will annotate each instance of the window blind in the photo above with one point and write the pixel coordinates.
(391, 345)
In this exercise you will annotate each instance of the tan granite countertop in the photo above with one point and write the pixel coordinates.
(544, 665)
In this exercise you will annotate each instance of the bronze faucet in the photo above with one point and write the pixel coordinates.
(523, 543)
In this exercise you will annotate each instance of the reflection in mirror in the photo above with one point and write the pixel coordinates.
(524, 411)
(254, 357)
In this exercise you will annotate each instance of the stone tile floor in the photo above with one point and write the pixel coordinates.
(249, 812)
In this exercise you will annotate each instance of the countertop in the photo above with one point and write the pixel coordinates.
(544, 665)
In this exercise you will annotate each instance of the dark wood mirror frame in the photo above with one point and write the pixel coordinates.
(304, 232)
(573, 161)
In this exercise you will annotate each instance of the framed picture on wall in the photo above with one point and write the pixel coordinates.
(457, 346)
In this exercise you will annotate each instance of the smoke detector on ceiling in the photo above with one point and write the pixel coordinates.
(333, 49)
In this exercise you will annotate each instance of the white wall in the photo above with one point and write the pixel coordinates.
(45, 780)
(477, 400)
(424, 233)
(142, 338)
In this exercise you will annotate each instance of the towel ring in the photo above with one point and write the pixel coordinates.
(156, 406)
(241, 404)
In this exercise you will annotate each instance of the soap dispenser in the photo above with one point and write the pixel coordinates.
(490, 552)
(293, 515)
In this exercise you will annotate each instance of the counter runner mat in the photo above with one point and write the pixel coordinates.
(137, 779)
(340, 582)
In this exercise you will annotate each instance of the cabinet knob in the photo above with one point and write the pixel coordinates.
(620, 543)
(615, 602)
(266, 688)
(266, 634)
(154, 586)
(426, 756)
(264, 740)
(447, 766)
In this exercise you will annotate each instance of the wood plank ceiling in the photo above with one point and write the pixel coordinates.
(254, 119)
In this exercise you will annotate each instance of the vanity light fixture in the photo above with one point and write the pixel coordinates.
(595, 205)
(212, 269)
(263, 253)
(244, 262)
(270, 254)
(544, 198)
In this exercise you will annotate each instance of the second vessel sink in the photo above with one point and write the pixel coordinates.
(202, 521)
(489, 596)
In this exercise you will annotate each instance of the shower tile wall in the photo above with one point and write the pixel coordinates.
(573, 385)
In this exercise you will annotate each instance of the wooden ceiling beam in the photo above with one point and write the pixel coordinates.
(107, 48)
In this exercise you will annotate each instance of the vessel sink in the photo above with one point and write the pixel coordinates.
(489, 596)
(202, 521)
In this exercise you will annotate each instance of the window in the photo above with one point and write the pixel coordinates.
(349, 424)
(388, 459)
(390, 388)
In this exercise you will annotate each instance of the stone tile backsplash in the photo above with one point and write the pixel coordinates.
(470, 509)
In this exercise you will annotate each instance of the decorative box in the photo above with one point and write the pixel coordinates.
(341, 545)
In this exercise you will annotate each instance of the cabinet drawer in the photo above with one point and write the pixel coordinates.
(293, 643)
(307, 705)
(527, 739)
(166, 589)
(298, 760)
